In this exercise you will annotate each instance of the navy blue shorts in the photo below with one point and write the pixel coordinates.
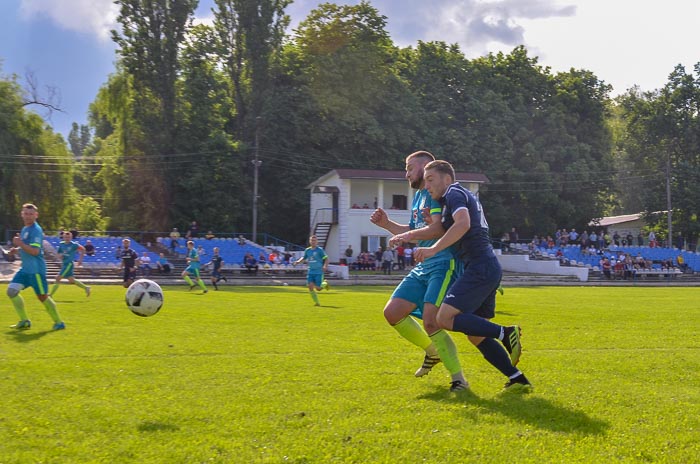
(475, 290)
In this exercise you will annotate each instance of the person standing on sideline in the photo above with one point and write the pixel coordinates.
(128, 257)
(387, 260)
(29, 245)
(421, 291)
(67, 250)
(192, 268)
(348, 255)
(216, 262)
(471, 301)
(317, 260)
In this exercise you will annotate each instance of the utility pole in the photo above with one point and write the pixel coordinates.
(669, 243)
(256, 166)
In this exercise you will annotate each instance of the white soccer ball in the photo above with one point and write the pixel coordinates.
(144, 297)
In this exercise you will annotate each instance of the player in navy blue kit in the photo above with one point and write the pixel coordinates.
(471, 301)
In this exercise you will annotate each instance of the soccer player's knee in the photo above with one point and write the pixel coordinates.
(13, 290)
(444, 321)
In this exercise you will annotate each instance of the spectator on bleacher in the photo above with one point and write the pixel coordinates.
(241, 240)
(250, 264)
(680, 261)
(201, 251)
(378, 256)
(163, 264)
(593, 239)
(619, 269)
(174, 237)
(192, 231)
(606, 267)
(210, 235)
(629, 267)
(616, 239)
(680, 242)
(640, 239)
(583, 239)
(557, 238)
(573, 237)
(145, 264)
(630, 239)
(513, 237)
(128, 257)
(606, 240)
(262, 259)
(89, 248)
(652, 239)
(505, 242)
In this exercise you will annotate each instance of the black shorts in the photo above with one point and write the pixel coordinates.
(129, 274)
(475, 290)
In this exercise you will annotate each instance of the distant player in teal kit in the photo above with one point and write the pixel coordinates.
(67, 249)
(29, 245)
(193, 265)
(317, 260)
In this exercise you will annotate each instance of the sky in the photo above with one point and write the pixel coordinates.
(66, 44)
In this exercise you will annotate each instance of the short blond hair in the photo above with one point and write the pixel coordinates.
(442, 167)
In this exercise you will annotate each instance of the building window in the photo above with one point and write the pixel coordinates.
(399, 202)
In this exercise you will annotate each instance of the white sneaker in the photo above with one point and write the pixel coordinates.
(428, 363)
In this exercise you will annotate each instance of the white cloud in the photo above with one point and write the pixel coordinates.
(93, 17)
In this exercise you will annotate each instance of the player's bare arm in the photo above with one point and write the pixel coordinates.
(460, 227)
(19, 244)
(433, 230)
(381, 219)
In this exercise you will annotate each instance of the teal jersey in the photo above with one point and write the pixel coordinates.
(68, 250)
(422, 200)
(194, 258)
(34, 237)
(314, 257)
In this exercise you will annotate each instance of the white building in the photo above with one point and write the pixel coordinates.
(343, 200)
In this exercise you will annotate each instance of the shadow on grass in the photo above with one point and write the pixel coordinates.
(528, 409)
(153, 426)
(24, 336)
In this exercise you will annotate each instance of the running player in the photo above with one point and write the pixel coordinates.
(422, 290)
(317, 259)
(67, 250)
(471, 301)
(29, 245)
(193, 268)
(216, 262)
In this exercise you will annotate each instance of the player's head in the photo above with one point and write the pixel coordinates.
(216, 250)
(67, 236)
(190, 244)
(438, 176)
(126, 243)
(313, 241)
(415, 163)
(29, 213)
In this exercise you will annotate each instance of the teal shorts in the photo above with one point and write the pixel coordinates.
(316, 279)
(192, 270)
(67, 270)
(36, 281)
(427, 283)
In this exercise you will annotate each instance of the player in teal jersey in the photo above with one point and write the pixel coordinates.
(192, 268)
(29, 245)
(67, 249)
(317, 260)
(421, 292)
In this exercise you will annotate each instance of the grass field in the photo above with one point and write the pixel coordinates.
(260, 375)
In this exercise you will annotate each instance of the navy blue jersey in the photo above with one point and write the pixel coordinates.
(476, 243)
(216, 262)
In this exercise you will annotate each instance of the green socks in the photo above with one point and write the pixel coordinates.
(201, 284)
(412, 331)
(79, 284)
(448, 351)
(50, 306)
(18, 303)
(315, 297)
(188, 280)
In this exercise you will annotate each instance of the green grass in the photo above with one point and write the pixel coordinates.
(260, 375)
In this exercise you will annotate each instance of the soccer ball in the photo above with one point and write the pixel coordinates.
(144, 297)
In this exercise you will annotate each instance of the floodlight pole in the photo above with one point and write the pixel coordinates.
(256, 166)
